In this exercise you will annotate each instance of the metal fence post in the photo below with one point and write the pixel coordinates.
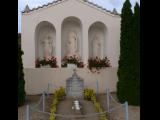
(108, 101)
(43, 101)
(108, 109)
(48, 90)
(126, 110)
(97, 87)
(27, 113)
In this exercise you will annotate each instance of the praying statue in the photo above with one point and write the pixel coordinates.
(47, 47)
(97, 46)
(72, 44)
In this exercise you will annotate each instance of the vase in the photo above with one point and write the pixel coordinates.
(70, 65)
(46, 66)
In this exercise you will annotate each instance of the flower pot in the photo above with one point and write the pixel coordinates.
(70, 65)
(46, 66)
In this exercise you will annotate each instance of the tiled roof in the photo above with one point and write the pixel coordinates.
(27, 10)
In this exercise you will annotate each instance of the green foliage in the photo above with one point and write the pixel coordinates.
(21, 82)
(58, 95)
(136, 56)
(90, 95)
(128, 71)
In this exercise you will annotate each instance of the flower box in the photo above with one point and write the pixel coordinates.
(46, 63)
(98, 63)
(72, 62)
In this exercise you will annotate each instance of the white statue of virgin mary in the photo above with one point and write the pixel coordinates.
(72, 44)
(47, 46)
(97, 46)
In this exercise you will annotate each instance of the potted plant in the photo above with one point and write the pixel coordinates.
(47, 63)
(72, 62)
(98, 63)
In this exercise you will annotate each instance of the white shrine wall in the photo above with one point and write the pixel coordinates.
(37, 79)
(55, 15)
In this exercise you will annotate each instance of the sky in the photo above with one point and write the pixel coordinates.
(108, 4)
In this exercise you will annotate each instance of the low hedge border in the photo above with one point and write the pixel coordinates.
(58, 96)
(90, 95)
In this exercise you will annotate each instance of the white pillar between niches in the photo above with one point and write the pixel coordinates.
(85, 48)
(58, 45)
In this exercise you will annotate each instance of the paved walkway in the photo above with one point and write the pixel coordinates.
(64, 107)
(119, 114)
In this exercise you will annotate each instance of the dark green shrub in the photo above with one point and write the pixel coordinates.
(21, 82)
(128, 70)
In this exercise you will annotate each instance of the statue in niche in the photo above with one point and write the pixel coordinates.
(47, 46)
(72, 42)
(97, 45)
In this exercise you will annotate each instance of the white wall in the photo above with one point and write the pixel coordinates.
(37, 79)
(56, 14)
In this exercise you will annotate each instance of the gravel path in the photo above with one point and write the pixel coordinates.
(64, 107)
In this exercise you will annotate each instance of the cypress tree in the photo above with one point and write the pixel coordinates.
(124, 85)
(135, 65)
(21, 82)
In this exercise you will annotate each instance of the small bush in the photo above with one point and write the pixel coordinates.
(58, 95)
(90, 95)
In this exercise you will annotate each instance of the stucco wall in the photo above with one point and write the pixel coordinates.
(56, 14)
(37, 79)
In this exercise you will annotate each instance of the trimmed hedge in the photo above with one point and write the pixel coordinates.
(90, 95)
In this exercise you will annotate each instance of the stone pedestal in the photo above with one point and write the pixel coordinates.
(71, 65)
(46, 66)
(74, 86)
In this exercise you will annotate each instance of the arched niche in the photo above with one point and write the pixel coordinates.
(45, 40)
(71, 28)
(97, 35)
